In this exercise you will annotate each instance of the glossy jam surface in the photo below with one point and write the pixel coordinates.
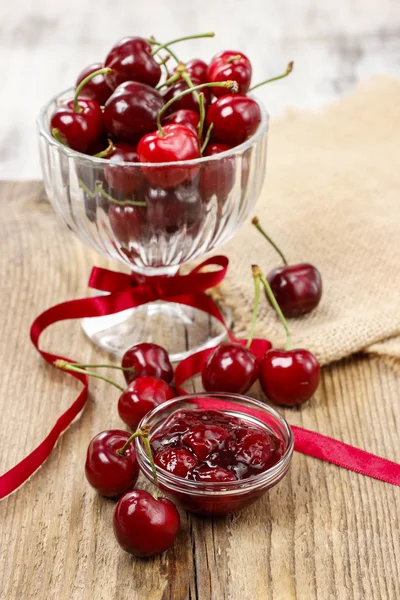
(213, 446)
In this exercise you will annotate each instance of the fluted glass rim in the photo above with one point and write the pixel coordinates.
(240, 149)
(260, 481)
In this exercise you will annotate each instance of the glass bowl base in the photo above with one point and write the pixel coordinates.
(180, 329)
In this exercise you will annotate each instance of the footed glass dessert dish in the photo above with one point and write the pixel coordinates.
(136, 214)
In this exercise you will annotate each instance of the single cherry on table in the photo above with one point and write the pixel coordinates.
(108, 472)
(297, 288)
(143, 525)
(147, 358)
(140, 397)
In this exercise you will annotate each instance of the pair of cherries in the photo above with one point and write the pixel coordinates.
(288, 377)
(143, 524)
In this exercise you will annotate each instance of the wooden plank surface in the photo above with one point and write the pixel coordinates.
(46, 44)
(324, 533)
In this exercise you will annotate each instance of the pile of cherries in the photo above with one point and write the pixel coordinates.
(124, 110)
(199, 445)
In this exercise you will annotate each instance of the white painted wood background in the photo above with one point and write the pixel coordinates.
(44, 44)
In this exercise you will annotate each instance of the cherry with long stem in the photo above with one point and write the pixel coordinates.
(289, 69)
(232, 85)
(255, 221)
(103, 71)
(259, 278)
(66, 366)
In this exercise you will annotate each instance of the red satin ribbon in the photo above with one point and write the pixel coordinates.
(127, 291)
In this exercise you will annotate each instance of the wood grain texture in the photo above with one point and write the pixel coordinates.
(334, 46)
(324, 533)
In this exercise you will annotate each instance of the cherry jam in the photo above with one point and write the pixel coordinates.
(213, 446)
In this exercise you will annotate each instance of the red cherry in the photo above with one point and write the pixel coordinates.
(147, 359)
(230, 65)
(169, 210)
(235, 118)
(78, 130)
(128, 224)
(289, 377)
(188, 118)
(177, 143)
(108, 472)
(197, 69)
(143, 525)
(131, 111)
(130, 60)
(254, 447)
(97, 88)
(204, 439)
(177, 461)
(217, 177)
(213, 474)
(297, 288)
(230, 368)
(140, 397)
(188, 101)
(123, 179)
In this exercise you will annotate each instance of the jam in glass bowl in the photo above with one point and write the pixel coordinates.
(137, 215)
(216, 453)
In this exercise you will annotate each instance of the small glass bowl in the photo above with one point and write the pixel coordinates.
(218, 498)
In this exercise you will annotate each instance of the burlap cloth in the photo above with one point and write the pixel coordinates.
(331, 197)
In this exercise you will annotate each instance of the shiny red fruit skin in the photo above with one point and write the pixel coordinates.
(109, 473)
(127, 223)
(230, 368)
(79, 130)
(188, 118)
(177, 461)
(238, 70)
(177, 144)
(125, 180)
(147, 359)
(169, 210)
(144, 526)
(140, 397)
(235, 118)
(97, 88)
(197, 69)
(289, 377)
(297, 288)
(217, 177)
(214, 474)
(188, 101)
(131, 111)
(130, 60)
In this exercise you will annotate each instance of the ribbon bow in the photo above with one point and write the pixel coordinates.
(128, 291)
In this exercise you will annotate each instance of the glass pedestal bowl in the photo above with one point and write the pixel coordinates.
(138, 215)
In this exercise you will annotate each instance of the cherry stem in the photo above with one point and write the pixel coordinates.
(105, 153)
(257, 225)
(154, 42)
(207, 138)
(289, 69)
(231, 59)
(176, 40)
(232, 85)
(146, 443)
(200, 125)
(164, 60)
(138, 433)
(82, 84)
(105, 366)
(257, 290)
(56, 135)
(258, 273)
(66, 366)
(169, 81)
(110, 198)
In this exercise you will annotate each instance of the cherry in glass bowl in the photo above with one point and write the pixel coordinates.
(119, 210)
(216, 497)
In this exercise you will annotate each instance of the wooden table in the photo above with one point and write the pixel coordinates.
(323, 533)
